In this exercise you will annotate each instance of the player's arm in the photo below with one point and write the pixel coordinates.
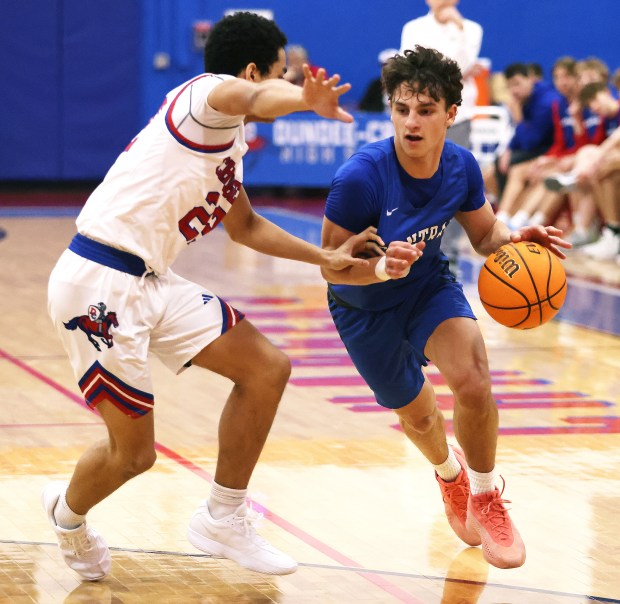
(276, 97)
(396, 260)
(487, 234)
(248, 228)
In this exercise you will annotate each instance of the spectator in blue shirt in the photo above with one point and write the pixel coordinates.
(531, 108)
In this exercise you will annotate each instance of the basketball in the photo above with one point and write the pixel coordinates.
(522, 285)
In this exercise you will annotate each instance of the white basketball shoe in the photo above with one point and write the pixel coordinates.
(234, 537)
(82, 548)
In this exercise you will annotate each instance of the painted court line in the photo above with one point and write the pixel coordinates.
(325, 549)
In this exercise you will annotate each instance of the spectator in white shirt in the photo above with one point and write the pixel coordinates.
(446, 30)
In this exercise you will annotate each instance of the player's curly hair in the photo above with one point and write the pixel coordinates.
(424, 70)
(240, 39)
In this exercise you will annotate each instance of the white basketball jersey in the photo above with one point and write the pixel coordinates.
(174, 182)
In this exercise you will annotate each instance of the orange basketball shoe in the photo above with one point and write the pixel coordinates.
(455, 495)
(502, 545)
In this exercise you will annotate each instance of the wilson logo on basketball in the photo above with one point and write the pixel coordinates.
(506, 263)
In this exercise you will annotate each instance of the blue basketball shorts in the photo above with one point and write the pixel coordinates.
(387, 346)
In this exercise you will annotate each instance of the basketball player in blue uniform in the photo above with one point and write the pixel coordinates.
(406, 308)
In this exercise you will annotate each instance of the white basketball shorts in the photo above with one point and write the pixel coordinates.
(109, 321)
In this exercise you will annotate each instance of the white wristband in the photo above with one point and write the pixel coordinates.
(380, 270)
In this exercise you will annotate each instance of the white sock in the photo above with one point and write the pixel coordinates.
(481, 482)
(65, 517)
(224, 501)
(449, 469)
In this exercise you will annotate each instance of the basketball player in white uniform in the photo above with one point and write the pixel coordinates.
(114, 299)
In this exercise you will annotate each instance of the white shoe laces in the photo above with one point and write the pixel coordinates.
(247, 524)
(79, 543)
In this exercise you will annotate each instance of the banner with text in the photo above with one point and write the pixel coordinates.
(304, 150)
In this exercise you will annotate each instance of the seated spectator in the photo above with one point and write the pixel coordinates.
(600, 171)
(583, 210)
(375, 99)
(595, 169)
(531, 107)
(525, 199)
(603, 176)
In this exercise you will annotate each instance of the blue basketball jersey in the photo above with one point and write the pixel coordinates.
(372, 189)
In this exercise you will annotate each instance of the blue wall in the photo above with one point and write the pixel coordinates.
(79, 82)
(70, 86)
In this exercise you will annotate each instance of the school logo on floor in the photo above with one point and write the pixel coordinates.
(95, 324)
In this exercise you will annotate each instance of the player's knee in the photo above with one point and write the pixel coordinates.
(278, 369)
(472, 389)
(271, 369)
(419, 424)
(138, 462)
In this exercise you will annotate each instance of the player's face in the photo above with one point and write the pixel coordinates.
(277, 69)
(420, 123)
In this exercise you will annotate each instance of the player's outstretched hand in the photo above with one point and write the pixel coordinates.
(322, 95)
(547, 236)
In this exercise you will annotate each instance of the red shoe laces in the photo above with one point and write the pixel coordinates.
(497, 514)
(456, 495)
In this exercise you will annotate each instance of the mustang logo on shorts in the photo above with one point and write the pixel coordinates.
(96, 323)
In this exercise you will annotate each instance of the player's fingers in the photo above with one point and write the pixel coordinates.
(560, 242)
(371, 234)
(359, 262)
(333, 80)
(374, 248)
(553, 230)
(409, 255)
(397, 264)
(559, 253)
(340, 90)
(320, 75)
(343, 116)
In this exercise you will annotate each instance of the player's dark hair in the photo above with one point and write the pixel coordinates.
(515, 69)
(240, 39)
(423, 70)
(589, 91)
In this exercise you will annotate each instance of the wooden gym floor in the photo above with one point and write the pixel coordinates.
(340, 487)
